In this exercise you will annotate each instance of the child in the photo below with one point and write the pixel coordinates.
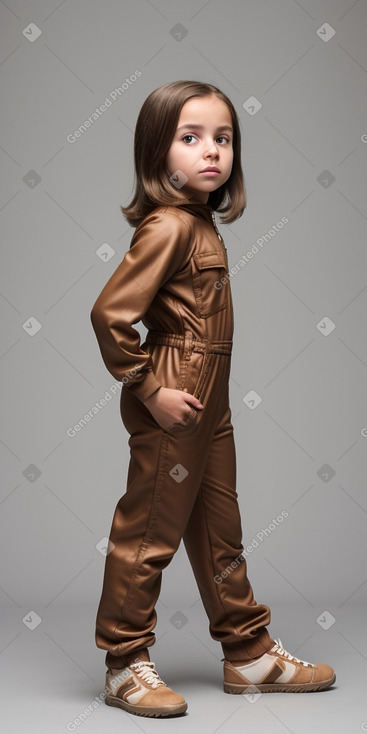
(175, 405)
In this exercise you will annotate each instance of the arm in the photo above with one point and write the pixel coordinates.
(158, 249)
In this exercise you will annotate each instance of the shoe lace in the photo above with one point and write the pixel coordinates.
(146, 671)
(281, 651)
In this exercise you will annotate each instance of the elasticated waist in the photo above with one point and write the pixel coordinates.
(189, 342)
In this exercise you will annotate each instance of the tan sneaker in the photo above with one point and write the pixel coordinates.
(138, 689)
(277, 670)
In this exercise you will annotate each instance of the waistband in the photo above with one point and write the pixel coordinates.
(189, 342)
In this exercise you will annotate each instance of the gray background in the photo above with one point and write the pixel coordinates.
(301, 450)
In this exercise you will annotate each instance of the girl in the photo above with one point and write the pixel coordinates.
(181, 479)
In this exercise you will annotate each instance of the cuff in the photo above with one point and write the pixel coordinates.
(145, 388)
(249, 648)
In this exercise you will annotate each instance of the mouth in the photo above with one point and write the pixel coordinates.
(210, 169)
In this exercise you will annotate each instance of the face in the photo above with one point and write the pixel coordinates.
(203, 139)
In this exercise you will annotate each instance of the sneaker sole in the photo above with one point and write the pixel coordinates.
(279, 688)
(179, 708)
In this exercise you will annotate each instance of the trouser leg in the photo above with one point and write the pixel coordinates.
(213, 541)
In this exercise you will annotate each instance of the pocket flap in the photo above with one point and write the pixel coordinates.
(212, 259)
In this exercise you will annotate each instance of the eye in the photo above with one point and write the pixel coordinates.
(224, 137)
(187, 136)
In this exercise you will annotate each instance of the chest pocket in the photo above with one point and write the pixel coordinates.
(207, 270)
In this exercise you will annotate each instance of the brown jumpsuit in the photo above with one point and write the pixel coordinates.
(181, 481)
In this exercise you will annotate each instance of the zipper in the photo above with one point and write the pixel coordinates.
(217, 230)
(226, 256)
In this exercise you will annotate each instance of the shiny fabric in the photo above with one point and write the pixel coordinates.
(181, 481)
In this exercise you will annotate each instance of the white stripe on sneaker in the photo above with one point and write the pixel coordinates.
(258, 670)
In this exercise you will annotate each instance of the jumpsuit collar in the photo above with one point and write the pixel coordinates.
(198, 208)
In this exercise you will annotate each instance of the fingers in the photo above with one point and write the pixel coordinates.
(193, 400)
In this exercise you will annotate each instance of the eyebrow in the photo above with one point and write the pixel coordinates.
(200, 127)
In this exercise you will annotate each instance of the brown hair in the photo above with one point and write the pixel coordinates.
(155, 129)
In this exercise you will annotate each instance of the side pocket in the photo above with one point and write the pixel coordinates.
(177, 428)
(190, 372)
(192, 380)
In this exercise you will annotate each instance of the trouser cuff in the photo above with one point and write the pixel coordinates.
(121, 661)
(249, 648)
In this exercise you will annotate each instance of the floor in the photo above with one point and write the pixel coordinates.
(53, 675)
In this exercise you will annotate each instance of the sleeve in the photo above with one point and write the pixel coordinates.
(159, 248)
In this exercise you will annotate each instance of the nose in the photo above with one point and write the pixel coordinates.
(212, 151)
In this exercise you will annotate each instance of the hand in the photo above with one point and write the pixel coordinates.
(170, 406)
